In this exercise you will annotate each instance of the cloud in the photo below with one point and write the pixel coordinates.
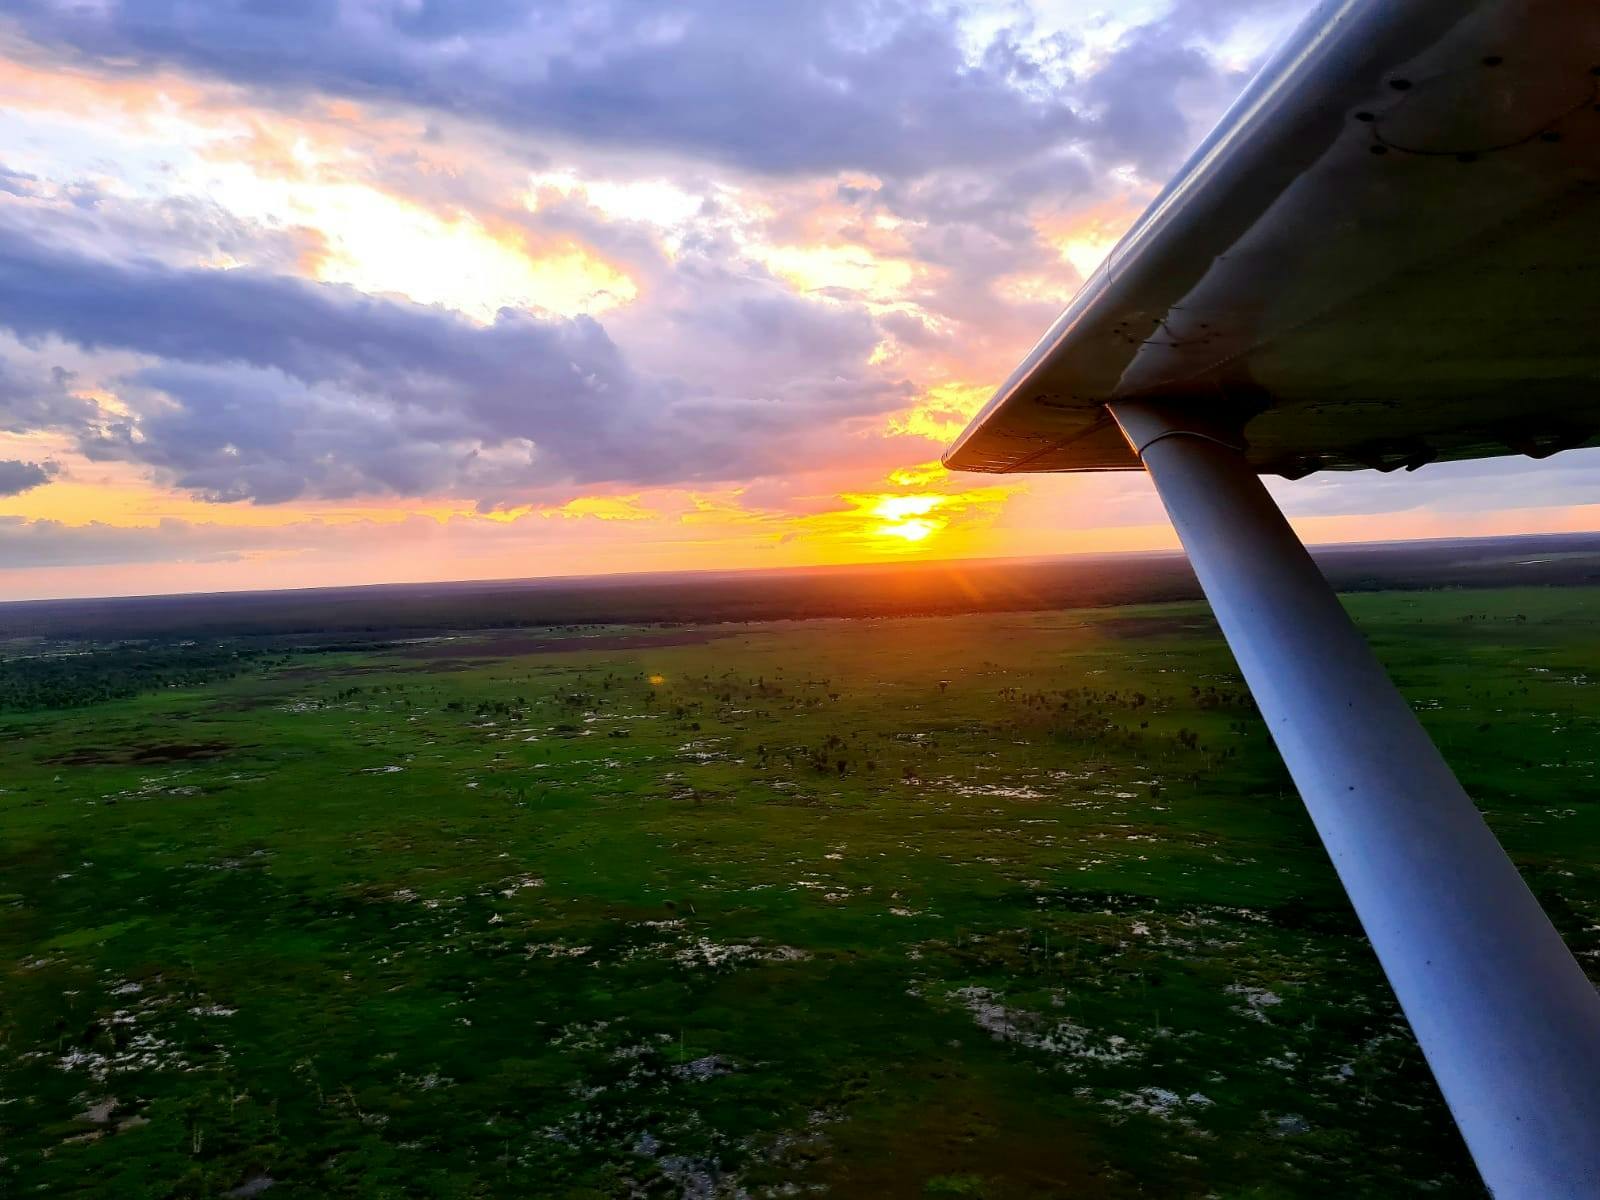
(17, 476)
(182, 230)
(25, 543)
(16, 183)
(267, 387)
(1148, 123)
(890, 86)
(779, 88)
(1476, 485)
(31, 401)
(965, 139)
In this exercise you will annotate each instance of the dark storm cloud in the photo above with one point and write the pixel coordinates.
(17, 476)
(267, 387)
(832, 84)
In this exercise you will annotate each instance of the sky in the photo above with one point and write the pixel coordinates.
(320, 292)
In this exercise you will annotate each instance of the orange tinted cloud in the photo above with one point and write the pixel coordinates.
(942, 412)
(1085, 236)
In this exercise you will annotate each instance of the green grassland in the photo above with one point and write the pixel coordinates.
(988, 906)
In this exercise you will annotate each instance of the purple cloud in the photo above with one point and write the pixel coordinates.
(267, 387)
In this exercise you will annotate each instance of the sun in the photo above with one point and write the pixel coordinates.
(905, 523)
(907, 519)
(914, 530)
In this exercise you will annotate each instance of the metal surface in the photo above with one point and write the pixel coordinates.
(1388, 252)
(1505, 1016)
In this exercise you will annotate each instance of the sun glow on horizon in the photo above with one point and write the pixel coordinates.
(902, 522)
(907, 517)
(915, 530)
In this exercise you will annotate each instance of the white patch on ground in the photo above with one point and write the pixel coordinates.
(143, 1051)
(1161, 1103)
(1049, 1036)
(703, 952)
(702, 1069)
(520, 883)
(1256, 999)
(694, 1178)
(426, 1083)
(98, 1113)
(704, 750)
(253, 1186)
(998, 791)
(137, 1047)
(556, 950)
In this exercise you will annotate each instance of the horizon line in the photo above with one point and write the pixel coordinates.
(619, 578)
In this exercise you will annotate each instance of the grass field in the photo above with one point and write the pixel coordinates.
(987, 906)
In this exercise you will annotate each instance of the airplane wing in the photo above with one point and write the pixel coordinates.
(1386, 253)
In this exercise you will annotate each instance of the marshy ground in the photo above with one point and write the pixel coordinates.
(995, 905)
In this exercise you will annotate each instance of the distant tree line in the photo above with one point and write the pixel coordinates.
(75, 680)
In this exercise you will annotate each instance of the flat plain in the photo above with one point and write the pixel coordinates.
(990, 905)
